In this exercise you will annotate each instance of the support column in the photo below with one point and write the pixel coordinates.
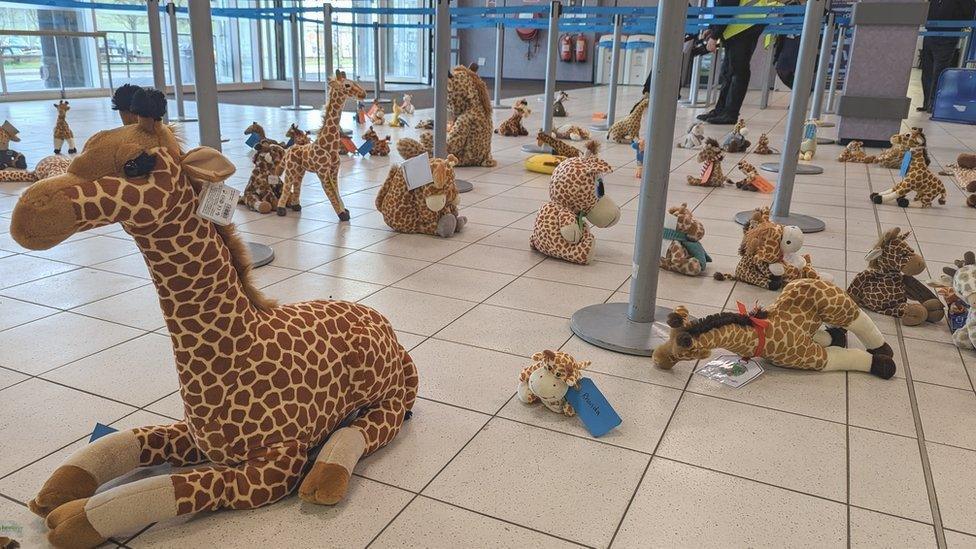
(555, 10)
(156, 45)
(378, 65)
(174, 64)
(713, 76)
(768, 80)
(296, 66)
(618, 23)
(637, 327)
(816, 106)
(835, 70)
(499, 66)
(442, 68)
(205, 73)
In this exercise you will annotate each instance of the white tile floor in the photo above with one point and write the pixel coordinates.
(794, 459)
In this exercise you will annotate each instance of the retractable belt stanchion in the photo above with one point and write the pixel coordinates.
(695, 84)
(768, 73)
(618, 22)
(156, 45)
(555, 9)
(442, 69)
(174, 64)
(499, 66)
(296, 65)
(637, 327)
(835, 70)
(789, 157)
(820, 84)
(377, 67)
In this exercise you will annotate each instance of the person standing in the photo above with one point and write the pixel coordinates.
(739, 41)
(937, 51)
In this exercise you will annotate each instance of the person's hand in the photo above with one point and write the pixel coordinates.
(711, 45)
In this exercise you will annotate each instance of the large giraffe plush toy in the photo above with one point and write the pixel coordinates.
(576, 195)
(321, 156)
(854, 152)
(963, 280)
(262, 384)
(919, 179)
(430, 209)
(469, 139)
(62, 132)
(900, 143)
(711, 175)
(628, 128)
(685, 254)
(789, 333)
(513, 126)
(264, 186)
(889, 282)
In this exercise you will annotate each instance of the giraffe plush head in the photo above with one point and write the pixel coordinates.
(770, 242)
(345, 87)
(687, 223)
(683, 342)
(577, 185)
(549, 378)
(254, 128)
(296, 135)
(466, 90)
(711, 151)
(964, 278)
(63, 108)
(436, 194)
(8, 133)
(268, 155)
(892, 253)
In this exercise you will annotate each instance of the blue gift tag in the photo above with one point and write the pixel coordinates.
(365, 148)
(905, 161)
(252, 140)
(99, 431)
(810, 131)
(592, 408)
(291, 141)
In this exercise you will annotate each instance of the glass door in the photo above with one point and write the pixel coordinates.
(406, 48)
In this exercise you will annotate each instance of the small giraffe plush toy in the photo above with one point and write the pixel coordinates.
(694, 138)
(963, 280)
(964, 170)
(735, 141)
(558, 109)
(900, 142)
(10, 158)
(378, 118)
(381, 147)
(62, 132)
(514, 127)
(576, 195)
(752, 180)
(711, 166)
(430, 209)
(395, 120)
(549, 378)
(407, 105)
(808, 145)
(685, 253)
(762, 146)
(920, 179)
(769, 254)
(561, 148)
(296, 136)
(628, 128)
(572, 132)
(264, 186)
(49, 166)
(854, 152)
(790, 333)
(889, 282)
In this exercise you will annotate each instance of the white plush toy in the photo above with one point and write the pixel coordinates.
(549, 378)
(694, 138)
(407, 105)
(790, 246)
(808, 147)
(963, 281)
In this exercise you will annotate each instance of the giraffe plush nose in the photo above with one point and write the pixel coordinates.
(914, 266)
(42, 219)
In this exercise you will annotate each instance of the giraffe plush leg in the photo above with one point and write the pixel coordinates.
(867, 332)
(330, 184)
(293, 180)
(113, 456)
(327, 482)
(267, 478)
(71, 146)
(57, 145)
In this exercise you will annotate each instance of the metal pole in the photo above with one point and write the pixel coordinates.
(767, 81)
(835, 71)
(618, 23)
(174, 62)
(555, 9)
(442, 67)
(205, 80)
(377, 84)
(962, 51)
(636, 327)
(296, 63)
(156, 45)
(327, 41)
(57, 63)
(713, 77)
(820, 84)
(108, 63)
(787, 166)
(499, 65)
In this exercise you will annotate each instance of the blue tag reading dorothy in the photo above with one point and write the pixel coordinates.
(592, 408)
(905, 161)
(365, 148)
(252, 140)
(99, 431)
(810, 131)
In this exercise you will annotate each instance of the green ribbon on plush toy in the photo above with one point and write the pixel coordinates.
(692, 247)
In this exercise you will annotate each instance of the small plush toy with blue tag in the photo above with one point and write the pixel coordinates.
(808, 147)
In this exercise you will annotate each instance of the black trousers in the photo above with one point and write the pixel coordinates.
(735, 73)
(936, 57)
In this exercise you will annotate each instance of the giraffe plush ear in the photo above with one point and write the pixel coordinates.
(577, 373)
(206, 164)
(451, 160)
(875, 253)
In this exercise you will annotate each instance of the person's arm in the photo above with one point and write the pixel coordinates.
(718, 29)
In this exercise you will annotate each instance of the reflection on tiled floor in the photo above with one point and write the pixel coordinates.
(793, 459)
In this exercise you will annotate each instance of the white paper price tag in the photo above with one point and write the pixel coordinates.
(217, 203)
(417, 171)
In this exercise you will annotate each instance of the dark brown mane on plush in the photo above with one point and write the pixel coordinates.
(240, 257)
(712, 142)
(717, 320)
(883, 241)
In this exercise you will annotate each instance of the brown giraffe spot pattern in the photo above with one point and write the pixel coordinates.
(628, 128)
(559, 147)
(677, 258)
(761, 246)
(264, 186)
(406, 211)
(49, 166)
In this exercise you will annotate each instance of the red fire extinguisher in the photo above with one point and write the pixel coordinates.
(566, 48)
(580, 48)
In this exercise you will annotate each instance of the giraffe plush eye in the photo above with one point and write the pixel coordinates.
(600, 191)
(139, 166)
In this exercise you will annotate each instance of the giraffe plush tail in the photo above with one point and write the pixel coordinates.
(723, 276)
(17, 176)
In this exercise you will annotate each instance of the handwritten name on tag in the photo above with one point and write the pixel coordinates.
(593, 409)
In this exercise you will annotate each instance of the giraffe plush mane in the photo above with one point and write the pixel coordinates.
(240, 257)
(718, 320)
(885, 240)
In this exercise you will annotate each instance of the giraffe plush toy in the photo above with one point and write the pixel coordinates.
(378, 118)
(407, 105)
(889, 282)
(62, 132)
(685, 253)
(963, 281)
(395, 120)
(576, 195)
(561, 148)
(964, 170)
(381, 147)
(262, 384)
(264, 186)
(762, 146)
(296, 136)
(469, 139)
(752, 180)
(558, 109)
(694, 138)
(920, 179)
(49, 166)
(321, 156)
(430, 209)
(769, 254)
(900, 143)
(628, 128)
(854, 152)
(789, 333)
(711, 175)
(572, 132)
(735, 141)
(257, 129)
(10, 158)
(549, 378)
(513, 127)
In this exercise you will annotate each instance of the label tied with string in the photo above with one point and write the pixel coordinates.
(905, 162)
(217, 203)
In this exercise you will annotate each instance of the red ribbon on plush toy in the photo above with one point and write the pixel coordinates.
(760, 325)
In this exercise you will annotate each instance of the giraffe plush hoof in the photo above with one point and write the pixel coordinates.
(776, 282)
(8, 543)
(72, 151)
(67, 483)
(296, 207)
(57, 151)
(326, 484)
(838, 337)
(264, 207)
(915, 314)
(935, 309)
(883, 350)
(883, 366)
(344, 215)
(446, 225)
(70, 527)
(971, 201)
(902, 202)
(461, 222)
(282, 211)
(876, 198)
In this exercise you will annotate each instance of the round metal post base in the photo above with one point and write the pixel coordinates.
(801, 169)
(261, 254)
(463, 186)
(606, 325)
(825, 141)
(806, 223)
(536, 149)
(297, 107)
(601, 127)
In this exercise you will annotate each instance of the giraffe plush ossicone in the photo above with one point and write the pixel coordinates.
(321, 156)
(711, 174)
(685, 254)
(888, 286)
(262, 384)
(549, 378)
(854, 152)
(628, 128)
(963, 281)
(429, 209)
(576, 195)
(469, 139)
(919, 179)
(62, 132)
(789, 333)
(264, 186)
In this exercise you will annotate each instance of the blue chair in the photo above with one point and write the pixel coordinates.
(955, 97)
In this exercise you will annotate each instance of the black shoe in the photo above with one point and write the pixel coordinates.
(923, 108)
(710, 114)
(722, 120)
